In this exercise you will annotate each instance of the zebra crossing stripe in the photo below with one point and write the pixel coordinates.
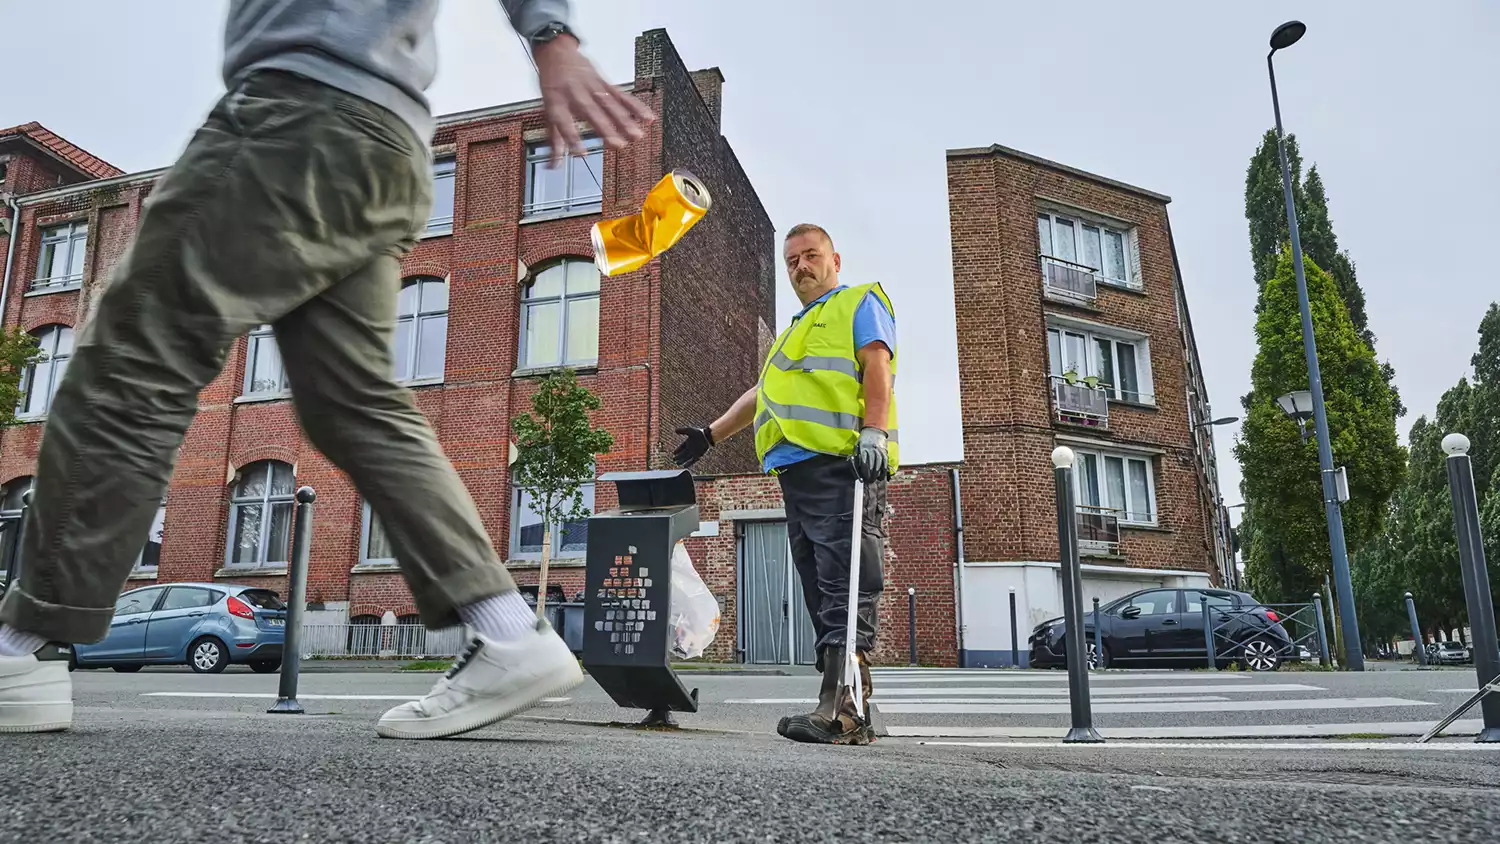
(1036, 708)
(1019, 703)
(1000, 691)
(1062, 679)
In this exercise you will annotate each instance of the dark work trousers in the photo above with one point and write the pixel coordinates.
(819, 496)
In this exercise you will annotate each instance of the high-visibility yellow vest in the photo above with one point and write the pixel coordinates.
(810, 391)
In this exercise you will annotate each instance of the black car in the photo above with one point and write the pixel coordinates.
(1165, 627)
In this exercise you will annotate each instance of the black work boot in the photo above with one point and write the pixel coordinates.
(834, 720)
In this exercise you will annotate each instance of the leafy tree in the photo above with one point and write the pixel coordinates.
(18, 350)
(555, 445)
(1289, 553)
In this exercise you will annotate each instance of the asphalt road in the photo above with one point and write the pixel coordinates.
(170, 769)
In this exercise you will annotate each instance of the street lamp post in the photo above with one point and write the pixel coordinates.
(1285, 36)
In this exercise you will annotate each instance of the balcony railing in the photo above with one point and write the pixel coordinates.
(1098, 531)
(1068, 281)
(1079, 403)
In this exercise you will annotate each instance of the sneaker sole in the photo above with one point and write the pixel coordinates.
(50, 717)
(503, 708)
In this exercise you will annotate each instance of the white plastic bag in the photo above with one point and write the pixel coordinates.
(694, 610)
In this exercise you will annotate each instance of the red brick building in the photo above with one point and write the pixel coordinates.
(1073, 330)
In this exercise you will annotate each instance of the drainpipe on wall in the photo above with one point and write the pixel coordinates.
(10, 252)
(958, 567)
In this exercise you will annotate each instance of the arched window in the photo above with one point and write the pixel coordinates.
(260, 515)
(421, 329)
(364, 635)
(39, 381)
(560, 316)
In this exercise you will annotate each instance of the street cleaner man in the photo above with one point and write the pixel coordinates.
(826, 395)
(291, 206)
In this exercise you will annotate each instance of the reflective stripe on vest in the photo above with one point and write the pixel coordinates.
(810, 391)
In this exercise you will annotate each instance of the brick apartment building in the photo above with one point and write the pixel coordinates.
(1073, 330)
(503, 290)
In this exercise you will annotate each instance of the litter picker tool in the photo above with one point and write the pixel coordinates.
(1492, 688)
(852, 681)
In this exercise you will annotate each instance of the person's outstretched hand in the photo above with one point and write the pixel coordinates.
(696, 443)
(572, 90)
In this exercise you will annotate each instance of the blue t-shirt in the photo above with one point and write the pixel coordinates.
(872, 322)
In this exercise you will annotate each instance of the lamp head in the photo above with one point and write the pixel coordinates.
(1288, 34)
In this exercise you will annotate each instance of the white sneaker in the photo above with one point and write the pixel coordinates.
(36, 696)
(491, 681)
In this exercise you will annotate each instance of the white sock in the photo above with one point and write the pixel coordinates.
(500, 617)
(14, 642)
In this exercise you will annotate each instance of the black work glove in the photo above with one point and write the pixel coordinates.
(697, 443)
(871, 462)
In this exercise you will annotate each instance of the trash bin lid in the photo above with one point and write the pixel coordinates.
(655, 490)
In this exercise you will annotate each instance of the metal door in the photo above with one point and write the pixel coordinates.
(774, 625)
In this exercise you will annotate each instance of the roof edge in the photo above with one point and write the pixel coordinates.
(997, 149)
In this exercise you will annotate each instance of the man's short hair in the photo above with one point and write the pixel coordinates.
(810, 228)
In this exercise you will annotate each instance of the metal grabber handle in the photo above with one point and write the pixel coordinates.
(852, 679)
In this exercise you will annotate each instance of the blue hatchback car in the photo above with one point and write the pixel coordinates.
(204, 625)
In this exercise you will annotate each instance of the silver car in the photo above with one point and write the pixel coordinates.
(208, 626)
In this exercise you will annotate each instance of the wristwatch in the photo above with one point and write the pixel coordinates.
(550, 33)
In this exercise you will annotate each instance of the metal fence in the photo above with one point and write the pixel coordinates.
(1244, 634)
(372, 641)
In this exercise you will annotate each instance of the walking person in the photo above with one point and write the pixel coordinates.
(292, 205)
(824, 413)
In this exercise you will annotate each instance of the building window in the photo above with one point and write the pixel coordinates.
(374, 543)
(60, 265)
(1117, 483)
(10, 519)
(1120, 367)
(39, 381)
(1105, 250)
(444, 177)
(560, 316)
(574, 185)
(150, 557)
(569, 539)
(260, 515)
(421, 329)
(364, 635)
(265, 372)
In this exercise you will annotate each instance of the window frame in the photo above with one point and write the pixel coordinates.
(561, 300)
(558, 553)
(74, 235)
(366, 523)
(417, 319)
(1093, 336)
(263, 334)
(266, 501)
(537, 154)
(140, 558)
(440, 225)
(1079, 221)
(1124, 511)
(51, 359)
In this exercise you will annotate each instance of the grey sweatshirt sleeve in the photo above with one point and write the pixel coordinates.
(529, 16)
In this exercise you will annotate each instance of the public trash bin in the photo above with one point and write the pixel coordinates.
(628, 592)
(570, 625)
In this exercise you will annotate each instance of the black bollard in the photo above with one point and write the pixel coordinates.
(1476, 580)
(1067, 539)
(1323, 656)
(1416, 631)
(1015, 643)
(1098, 637)
(291, 652)
(911, 622)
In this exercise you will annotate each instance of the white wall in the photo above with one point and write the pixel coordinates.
(1038, 586)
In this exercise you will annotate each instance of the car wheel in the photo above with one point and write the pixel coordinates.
(266, 666)
(127, 669)
(1097, 659)
(208, 656)
(1260, 655)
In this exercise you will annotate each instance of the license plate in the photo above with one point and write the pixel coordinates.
(277, 622)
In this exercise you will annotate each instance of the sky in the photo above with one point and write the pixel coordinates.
(840, 112)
